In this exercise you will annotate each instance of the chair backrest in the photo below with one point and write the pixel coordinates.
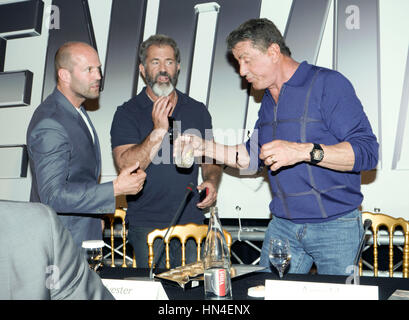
(379, 220)
(183, 233)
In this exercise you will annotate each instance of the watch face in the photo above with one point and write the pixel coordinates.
(318, 154)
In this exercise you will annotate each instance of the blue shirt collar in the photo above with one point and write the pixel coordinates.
(298, 78)
(300, 75)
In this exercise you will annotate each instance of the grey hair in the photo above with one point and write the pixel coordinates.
(157, 40)
(261, 32)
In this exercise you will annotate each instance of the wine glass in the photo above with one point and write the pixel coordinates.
(279, 255)
(92, 250)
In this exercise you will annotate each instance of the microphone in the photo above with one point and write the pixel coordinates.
(171, 130)
(367, 225)
(189, 190)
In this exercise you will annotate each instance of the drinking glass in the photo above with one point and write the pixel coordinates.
(279, 255)
(92, 250)
(184, 153)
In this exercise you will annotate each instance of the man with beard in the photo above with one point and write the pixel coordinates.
(139, 132)
(64, 150)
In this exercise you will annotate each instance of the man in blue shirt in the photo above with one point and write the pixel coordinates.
(139, 132)
(315, 138)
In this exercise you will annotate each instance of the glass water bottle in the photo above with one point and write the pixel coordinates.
(216, 261)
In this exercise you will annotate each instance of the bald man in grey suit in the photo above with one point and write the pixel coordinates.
(64, 151)
(39, 259)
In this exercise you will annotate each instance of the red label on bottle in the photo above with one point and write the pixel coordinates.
(221, 277)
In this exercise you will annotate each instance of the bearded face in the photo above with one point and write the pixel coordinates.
(162, 83)
(160, 70)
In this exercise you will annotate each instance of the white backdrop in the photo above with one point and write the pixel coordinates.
(385, 191)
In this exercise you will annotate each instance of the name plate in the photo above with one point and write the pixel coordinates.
(135, 289)
(298, 290)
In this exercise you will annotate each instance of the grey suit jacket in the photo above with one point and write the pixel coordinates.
(66, 165)
(39, 259)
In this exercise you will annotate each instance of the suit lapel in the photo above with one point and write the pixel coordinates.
(68, 107)
(84, 128)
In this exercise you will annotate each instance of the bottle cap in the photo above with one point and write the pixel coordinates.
(89, 244)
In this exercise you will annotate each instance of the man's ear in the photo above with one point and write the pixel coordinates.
(64, 75)
(274, 51)
(142, 69)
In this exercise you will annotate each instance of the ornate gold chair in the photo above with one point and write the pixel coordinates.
(119, 214)
(382, 220)
(183, 233)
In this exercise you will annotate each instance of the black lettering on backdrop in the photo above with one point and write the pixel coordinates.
(17, 20)
(75, 25)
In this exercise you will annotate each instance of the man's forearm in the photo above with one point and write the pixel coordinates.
(233, 156)
(212, 173)
(338, 157)
(143, 153)
(281, 153)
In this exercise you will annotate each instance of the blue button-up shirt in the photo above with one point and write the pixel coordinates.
(315, 105)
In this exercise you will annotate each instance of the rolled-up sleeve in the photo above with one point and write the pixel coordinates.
(345, 118)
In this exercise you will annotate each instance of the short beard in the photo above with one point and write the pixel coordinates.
(85, 94)
(161, 90)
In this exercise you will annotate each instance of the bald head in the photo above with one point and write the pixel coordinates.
(67, 54)
(78, 71)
